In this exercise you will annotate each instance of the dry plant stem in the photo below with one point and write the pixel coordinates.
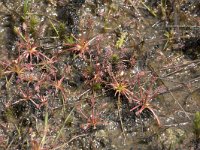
(148, 8)
(136, 8)
(45, 130)
(197, 61)
(120, 116)
(175, 99)
(9, 145)
(81, 95)
(178, 124)
(60, 131)
(44, 15)
(65, 144)
(180, 69)
(172, 95)
(179, 105)
(180, 85)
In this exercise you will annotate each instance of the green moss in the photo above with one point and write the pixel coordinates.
(33, 21)
(10, 116)
(69, 40)
(61, 30)
(33, 24)
(114, 58)
(97, 86)
(121, 40)
(58, 29)
(26, 7)
(196, 124)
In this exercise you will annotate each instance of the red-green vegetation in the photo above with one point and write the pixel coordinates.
(66, 78)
